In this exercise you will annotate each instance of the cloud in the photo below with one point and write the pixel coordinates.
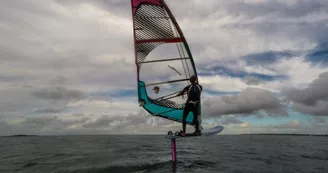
(20, 101)
(266, 57)
(319, 109)
(252, 80)
(319, 120)
(118, 122)
(239, 28)
(319, 55)
(234, 76)
(66, 32)
(287, 127)
(48, 110)
(84, 123)
(250, 100)
(59, 93)
(58, 80)
(313, 99)
(222, 83)
(230, 120)
(314, 92)
(101, 122)
(293, 124)
(38, 125)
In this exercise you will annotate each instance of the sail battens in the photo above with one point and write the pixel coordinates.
(166, 82)
(166, 40)
(162, 60)
(153, 17)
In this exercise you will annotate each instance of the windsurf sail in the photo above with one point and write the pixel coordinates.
(162, 58)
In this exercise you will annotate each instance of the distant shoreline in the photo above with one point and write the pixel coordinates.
(263, 134)
(281, 134)
(19, 135)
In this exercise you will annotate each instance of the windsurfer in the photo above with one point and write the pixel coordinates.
(193, 104)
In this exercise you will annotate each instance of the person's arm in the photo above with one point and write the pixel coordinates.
(183, 91)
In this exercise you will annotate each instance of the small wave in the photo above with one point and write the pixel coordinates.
(147, 146)
(29, 165)
(133, 149)
(184, 152)
(280, 157)
(267, 161)
(117, 168)
(314, 157)
(200, 164)
(250, 152)
(11, 156)
(144, 147)
(61, 154)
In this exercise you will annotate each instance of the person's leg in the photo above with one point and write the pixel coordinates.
(184, 117)
(195, 113)
(199, 118)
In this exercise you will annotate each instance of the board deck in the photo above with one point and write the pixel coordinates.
(205, 132)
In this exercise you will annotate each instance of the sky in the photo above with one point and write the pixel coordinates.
(69, 68)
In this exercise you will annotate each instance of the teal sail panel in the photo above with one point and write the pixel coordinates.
(163, 60)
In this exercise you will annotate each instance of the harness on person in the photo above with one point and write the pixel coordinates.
(190, 101)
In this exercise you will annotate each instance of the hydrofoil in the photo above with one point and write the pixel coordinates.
(206, 132)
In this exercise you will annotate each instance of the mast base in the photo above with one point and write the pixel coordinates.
(173, 145)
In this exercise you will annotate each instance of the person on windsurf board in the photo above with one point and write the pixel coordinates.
(192, 104)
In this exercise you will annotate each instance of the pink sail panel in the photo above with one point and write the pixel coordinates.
(136, 3)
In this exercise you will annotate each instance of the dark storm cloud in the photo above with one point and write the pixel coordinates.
(250, 100)
(317, 90)
(59, 93)
(313, 99)
(320, 108)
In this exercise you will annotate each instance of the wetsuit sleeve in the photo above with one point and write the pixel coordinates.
(183, 91)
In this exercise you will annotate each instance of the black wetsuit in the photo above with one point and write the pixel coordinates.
(192, 104)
